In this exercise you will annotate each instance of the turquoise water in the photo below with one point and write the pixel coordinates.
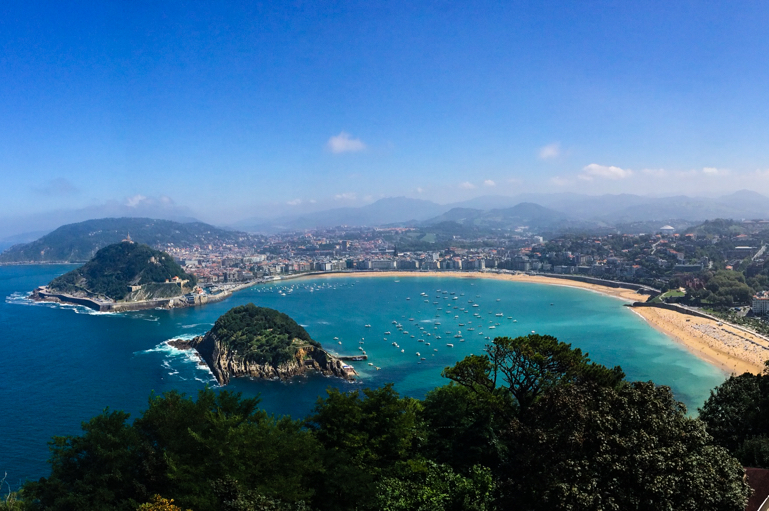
(61, 365)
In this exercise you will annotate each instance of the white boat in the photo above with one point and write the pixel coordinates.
(418, 354)
(461, 324)
(499, 315)
(491, 327)
(498, 299)
(336, 338)
(476, 305)
(367, 326)
(340, 342)
(387, 333)
(450, 345)
(402, 351)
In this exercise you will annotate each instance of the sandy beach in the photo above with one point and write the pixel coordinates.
(727, 347)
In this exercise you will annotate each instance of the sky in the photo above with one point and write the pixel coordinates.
(226, 110)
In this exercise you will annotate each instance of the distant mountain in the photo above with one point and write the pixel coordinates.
(79, 242)
(391, 210)
(527, 214)
(623, 208)
(116, 267)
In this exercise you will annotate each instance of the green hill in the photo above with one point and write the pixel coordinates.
(261, 335)
(79, 242)
(116, 267)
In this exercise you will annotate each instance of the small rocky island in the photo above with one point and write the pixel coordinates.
(123, 276)
(262, 343)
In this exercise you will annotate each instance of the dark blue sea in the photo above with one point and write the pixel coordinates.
(61, 365)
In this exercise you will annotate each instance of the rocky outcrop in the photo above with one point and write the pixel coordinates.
(226, 363)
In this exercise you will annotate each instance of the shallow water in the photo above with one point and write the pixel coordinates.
(62, 365)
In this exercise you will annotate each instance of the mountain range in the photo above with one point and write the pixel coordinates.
(494, 211)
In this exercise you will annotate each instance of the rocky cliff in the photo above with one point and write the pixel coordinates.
(226, 363)
(263, 343)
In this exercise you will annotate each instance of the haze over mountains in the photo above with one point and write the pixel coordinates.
(542, 209)
(550, 212)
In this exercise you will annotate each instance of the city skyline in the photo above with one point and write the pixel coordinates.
(224, 113)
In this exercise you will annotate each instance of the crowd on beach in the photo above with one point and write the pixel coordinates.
(745, 346)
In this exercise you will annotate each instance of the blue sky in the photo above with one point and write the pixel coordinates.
(226, 112)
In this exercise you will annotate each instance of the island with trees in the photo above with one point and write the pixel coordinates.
(123, 276)
(262, 343)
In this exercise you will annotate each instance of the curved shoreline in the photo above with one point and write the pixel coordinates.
(724, 346)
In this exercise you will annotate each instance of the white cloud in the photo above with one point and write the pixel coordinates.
(368, 198)
(550, 151)
(134, 201)
(346, 196)
(344, 143)
(654, 172)
(489, 182)
(420, 190)
(467, 185)
(559, 181)
(312, 201)
(294, 202)
(594, 170)
(712, 171)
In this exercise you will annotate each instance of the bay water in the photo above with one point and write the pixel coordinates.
(61, 365)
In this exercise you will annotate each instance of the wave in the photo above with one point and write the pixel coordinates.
(22, 298)
(173, 357)
(196, 325)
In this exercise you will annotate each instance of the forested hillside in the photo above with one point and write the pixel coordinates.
(117, 266)
(79, 242)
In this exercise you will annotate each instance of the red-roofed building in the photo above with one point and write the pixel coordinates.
(758, 479)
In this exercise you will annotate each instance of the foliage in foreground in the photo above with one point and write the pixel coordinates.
(737, 416)
(531, 425)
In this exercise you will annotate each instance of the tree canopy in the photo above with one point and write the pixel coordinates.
(531, 425)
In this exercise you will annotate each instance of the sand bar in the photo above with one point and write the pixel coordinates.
(731, 349)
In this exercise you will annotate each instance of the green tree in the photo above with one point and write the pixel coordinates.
(731, 413)
(178, 448)
(365, 434)
(433, 487)
(591, 447)
(461, 429)
(520, 370)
